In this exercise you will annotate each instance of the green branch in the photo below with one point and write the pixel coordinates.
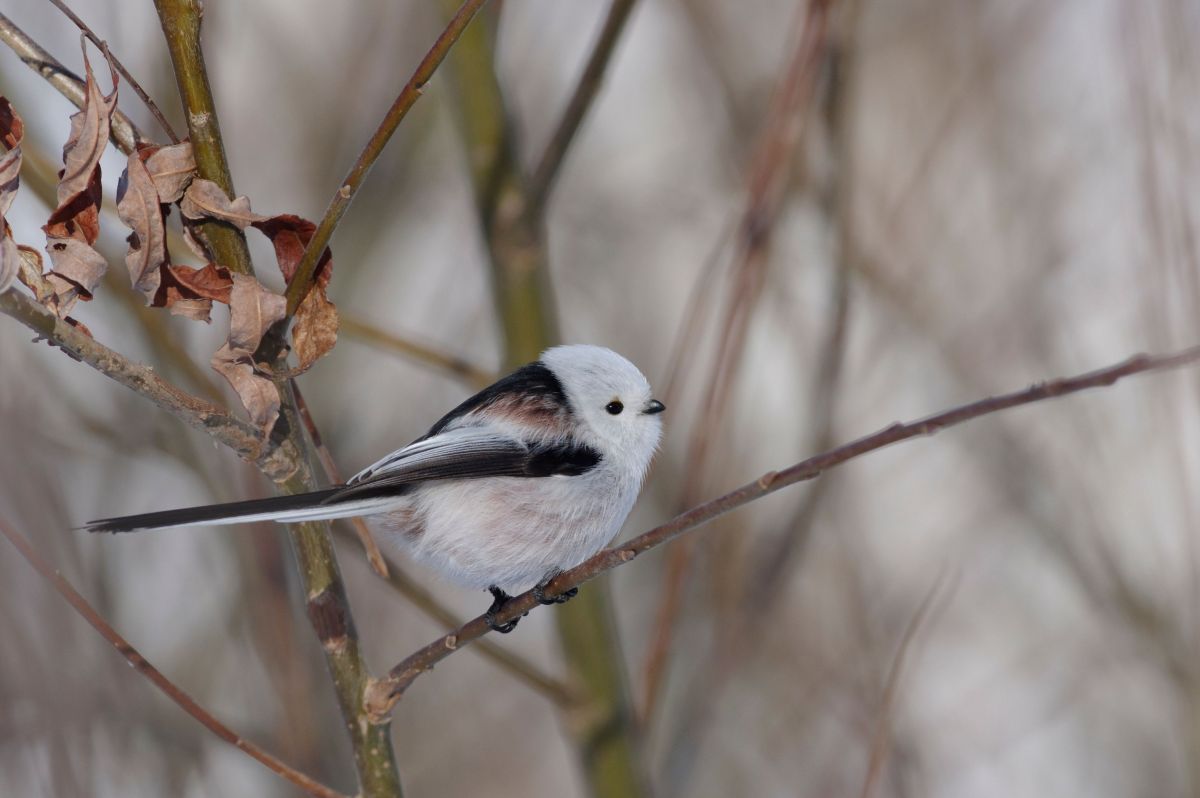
(328, 608)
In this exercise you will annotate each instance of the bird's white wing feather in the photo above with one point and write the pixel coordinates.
(463, 451)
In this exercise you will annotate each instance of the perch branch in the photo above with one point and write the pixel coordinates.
(154, 675)
(384, 694)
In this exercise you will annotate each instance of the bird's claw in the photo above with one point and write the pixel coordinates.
(539, 593)
(499, 599)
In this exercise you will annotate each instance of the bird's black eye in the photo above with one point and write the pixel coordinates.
(614, 407)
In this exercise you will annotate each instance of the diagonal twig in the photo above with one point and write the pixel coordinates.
(766, 184)
(883, 725)
(133, 84)
(453, 365)
(383, 694)
(544, 175)
(334, 475)
(155, 676)
(123, 132)
(238, 435)
(302, 281)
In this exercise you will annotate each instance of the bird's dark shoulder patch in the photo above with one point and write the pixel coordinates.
(567, 459)
(530, 395)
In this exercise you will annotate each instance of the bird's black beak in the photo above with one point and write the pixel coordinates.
(654, 406)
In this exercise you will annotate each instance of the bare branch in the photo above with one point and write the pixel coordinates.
(238, 435)
(328, 607)
(383, 694)
(155, 676)
(542, 181)
(453, 365)
(306, 271)
(766, 185)
(133, 84)
(122, 131)
(883, 726)
(333, 474)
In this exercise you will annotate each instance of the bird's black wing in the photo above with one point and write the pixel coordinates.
(467, 453)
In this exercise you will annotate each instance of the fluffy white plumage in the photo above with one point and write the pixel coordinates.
(527, 478)
(512, 532)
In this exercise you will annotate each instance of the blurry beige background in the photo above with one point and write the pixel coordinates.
(990, 193)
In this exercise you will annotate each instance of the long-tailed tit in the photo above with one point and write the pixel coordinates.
(527, 478)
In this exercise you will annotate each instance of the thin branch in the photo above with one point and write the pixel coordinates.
(155, 676)
(603, 729)
(333, 474)
(766, 184)
(238, 435)
(122, 131)
(384, 694)
(325, 593)
(451, 364)
(133, 84)
(543, 179)
(514, 665)
(883, 726)
(180, 20)
(302, 282)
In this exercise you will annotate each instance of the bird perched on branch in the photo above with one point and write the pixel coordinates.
(527, 478)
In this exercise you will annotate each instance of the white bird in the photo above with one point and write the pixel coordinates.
(525, 479)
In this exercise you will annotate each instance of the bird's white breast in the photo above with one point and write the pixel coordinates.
(512, 532)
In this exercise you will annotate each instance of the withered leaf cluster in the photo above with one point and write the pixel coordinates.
(155, 179)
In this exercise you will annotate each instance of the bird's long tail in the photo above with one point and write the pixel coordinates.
(314, 506)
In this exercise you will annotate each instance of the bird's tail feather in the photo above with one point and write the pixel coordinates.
(284, 509)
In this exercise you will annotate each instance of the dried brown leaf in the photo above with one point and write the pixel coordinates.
(10, 261)
(315, 329)
(88, 138)
(31, 274)
(77, 269)
(195, 239)
(190, 292)
(252, 310)
(210, 282)
(205, 199)
(12, 132)
(172, 169)
(79, 216)
(139, 207)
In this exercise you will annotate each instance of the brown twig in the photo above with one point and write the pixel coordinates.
(603, 729)
(383, 694)
(133, 84)
(562, 694)
(542, 181)
(238, 435)
(155, 676)
(334, 475)
(122, 131)
(302, 281)
(765, 188)
(883, 725)
(453, 365)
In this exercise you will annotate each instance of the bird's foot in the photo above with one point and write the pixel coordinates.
(499, 599)
(539, 593)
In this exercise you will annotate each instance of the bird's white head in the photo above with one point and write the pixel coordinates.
(611, 399)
